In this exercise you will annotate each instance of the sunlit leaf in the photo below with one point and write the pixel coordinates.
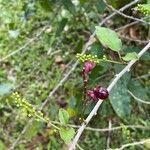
(63, 116)
(130, 56)
(2, 145)
(147, 144)
(67, 134)
(109, 38)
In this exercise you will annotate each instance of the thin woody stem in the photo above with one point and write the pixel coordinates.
(85, 84)
(85, 80)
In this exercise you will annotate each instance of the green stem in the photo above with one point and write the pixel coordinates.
(112, 61)
(80, 148)
(41, 118)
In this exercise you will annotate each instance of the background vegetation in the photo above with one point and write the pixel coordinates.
(39, 40)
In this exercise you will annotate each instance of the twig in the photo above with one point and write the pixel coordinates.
(109, 134)
(131, 144)
(55, 52)
(138, 99)
(90, 41)
(105, 129)
(143, 76)
(120, 10)
(124, 15)
(80, 148)
(94, 111)
(135, 40)
(126, 26)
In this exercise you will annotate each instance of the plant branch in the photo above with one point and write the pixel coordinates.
(131, 144)
(131, 39)
(105, 129)
(126, 25)
(98, 104)
(120, 10)
(109, 133)
(142, 76)
(124, 15)
(138, 99)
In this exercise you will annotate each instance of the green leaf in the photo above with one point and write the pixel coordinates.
(69, 6)
(63, 116)
(67, 134)
(120, 99)
(100, 6)
(6, 17)
(2, 146)
(97, 49)
(5, 88)
(83, 1)
(61, 26)
(46, 5)
(130, 56)
(109, 38)
(147, 144)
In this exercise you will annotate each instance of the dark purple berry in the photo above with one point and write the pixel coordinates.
(101, 92)
(88, 66)
(98, 93)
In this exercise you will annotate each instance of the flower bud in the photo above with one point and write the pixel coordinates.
(88, 66)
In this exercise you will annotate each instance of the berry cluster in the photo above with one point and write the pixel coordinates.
(98, 92)
(31, 110)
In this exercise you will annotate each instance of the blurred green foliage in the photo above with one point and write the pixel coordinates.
(59, 30)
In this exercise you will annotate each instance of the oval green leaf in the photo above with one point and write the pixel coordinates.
(130, 56)
(66, 134)
(63, 116)
(120, 100)
(108, 38)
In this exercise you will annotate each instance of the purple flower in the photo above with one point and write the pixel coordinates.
(88, 66)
